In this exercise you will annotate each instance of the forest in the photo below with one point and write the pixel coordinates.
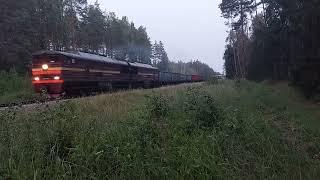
(273, 39)
(74, 25)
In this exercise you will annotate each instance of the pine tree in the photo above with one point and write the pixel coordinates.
(143, 45)
(93, 29)
(154, 54)
(237, 11)
(18, 34)
(72, 8)
(161, 54)
(229, 64)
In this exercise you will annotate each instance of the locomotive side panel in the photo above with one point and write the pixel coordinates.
(143, 75)
(94, 75)
(58, 72)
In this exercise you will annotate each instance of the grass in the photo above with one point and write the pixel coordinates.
(221, 130)
(15, 89)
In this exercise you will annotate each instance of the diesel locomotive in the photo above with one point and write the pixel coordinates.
(57, 73)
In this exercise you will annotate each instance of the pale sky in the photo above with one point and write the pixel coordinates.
(189, 29)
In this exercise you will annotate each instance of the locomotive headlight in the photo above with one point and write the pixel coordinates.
(56, 78)
(45, 67)
(37, 79)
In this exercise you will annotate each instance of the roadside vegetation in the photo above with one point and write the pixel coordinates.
(226, 130)
(15, 89)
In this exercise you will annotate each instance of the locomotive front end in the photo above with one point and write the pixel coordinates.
(47, 75)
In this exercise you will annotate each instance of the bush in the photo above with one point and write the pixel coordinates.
(202, 108)
(157, 106)
(15, 89)
(213, 80)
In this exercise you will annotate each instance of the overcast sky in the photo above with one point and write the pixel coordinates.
(189, 29)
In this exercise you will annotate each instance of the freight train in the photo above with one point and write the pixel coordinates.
(56, 73)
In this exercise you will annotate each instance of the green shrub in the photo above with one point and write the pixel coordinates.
(213, 80)
(202, 108)
(15, 88)
(157, 105)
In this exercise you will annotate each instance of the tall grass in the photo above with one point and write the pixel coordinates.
(223, 131)
(15, 88)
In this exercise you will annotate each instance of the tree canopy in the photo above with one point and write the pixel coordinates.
(280, 37)
(66, 25)
(74, 25)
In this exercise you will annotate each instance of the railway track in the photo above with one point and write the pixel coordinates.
(40, 102)
(29, 104)
(44, 102)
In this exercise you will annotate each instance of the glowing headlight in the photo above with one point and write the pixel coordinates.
(37, 79)
(56, 78)
(45, 67)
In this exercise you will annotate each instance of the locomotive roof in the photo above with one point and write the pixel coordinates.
(81, 55)
(141, 65)
(93, 57)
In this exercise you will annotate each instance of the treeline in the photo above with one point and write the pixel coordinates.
(270, 38)
(160, 59)
(66, 25)
(192, 67)
(74, 25)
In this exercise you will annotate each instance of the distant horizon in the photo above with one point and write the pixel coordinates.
(174, 24)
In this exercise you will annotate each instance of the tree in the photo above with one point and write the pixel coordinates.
(283, 42)
(73, 8)
(30, 25)
(237, 11)
(229, 62)
(143, 45)
(160, 56)
(93, 29)
(18, 33)
(264, 47)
